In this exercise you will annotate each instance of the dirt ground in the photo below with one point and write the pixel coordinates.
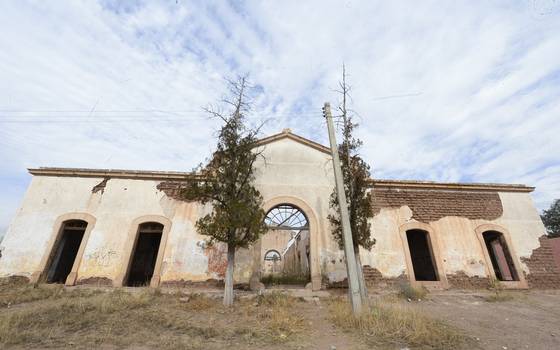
(141, 318)
(531, 320)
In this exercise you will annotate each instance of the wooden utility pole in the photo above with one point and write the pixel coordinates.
(351, 266)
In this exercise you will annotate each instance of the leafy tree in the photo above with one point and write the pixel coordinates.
(237, 218)
(356, 173)
(551, 219)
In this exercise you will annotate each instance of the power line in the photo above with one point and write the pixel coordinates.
(130, 118)
(117, 111)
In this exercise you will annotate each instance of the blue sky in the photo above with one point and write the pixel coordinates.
(445, 90)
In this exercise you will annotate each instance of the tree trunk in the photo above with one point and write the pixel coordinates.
(228, 291)
(361, 279)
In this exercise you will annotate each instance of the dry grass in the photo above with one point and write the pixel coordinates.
(276, 299)
(499, 297)
(197, 302)
(407, 291)
(397, 324)
(61, 318)
(272, 280)
(17, 291)
(277, 309)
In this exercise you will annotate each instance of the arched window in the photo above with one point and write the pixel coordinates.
(272, 255)
(500, 256)
(286, 217)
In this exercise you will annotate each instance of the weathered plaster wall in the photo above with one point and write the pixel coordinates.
(115, 208)
(31, 229)
(461, 252)
(288, 172)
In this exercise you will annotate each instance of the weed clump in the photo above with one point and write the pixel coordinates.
(197, 302)
(407, 291)
(276, 299)
(498, 293)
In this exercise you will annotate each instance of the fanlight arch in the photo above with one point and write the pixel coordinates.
(272, 255)
(286, 217)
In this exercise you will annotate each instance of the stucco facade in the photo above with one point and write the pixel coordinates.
(292, 171)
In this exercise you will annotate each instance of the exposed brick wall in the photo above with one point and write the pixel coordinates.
(374, 278)
(96, 281)
(555, 244)
(171, 188)
(461, 280)
(12, 280)
(210, 283)
(543, 271)
(432, 205)
(100, 186)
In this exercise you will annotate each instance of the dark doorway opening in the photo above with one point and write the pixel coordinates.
(421, 255)
(66, 251)
(500, 256)
(145, 254)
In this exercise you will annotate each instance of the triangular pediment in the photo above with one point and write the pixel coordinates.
(287, 134)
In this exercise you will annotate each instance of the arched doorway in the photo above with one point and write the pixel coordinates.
(65, 250)
(424, 264)
(500, 256)
(421, 255)
(145, 254)
(285, 250)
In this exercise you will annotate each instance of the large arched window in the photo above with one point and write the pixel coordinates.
(286, 217)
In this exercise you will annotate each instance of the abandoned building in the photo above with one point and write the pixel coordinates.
(120, 227)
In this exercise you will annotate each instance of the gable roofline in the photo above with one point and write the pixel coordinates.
(184, 176)
(287, 134)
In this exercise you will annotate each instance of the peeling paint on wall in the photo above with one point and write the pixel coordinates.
(217, 259)
(171, 188)
(100, 186)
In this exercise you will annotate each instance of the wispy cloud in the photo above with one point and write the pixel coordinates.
(450, 91)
